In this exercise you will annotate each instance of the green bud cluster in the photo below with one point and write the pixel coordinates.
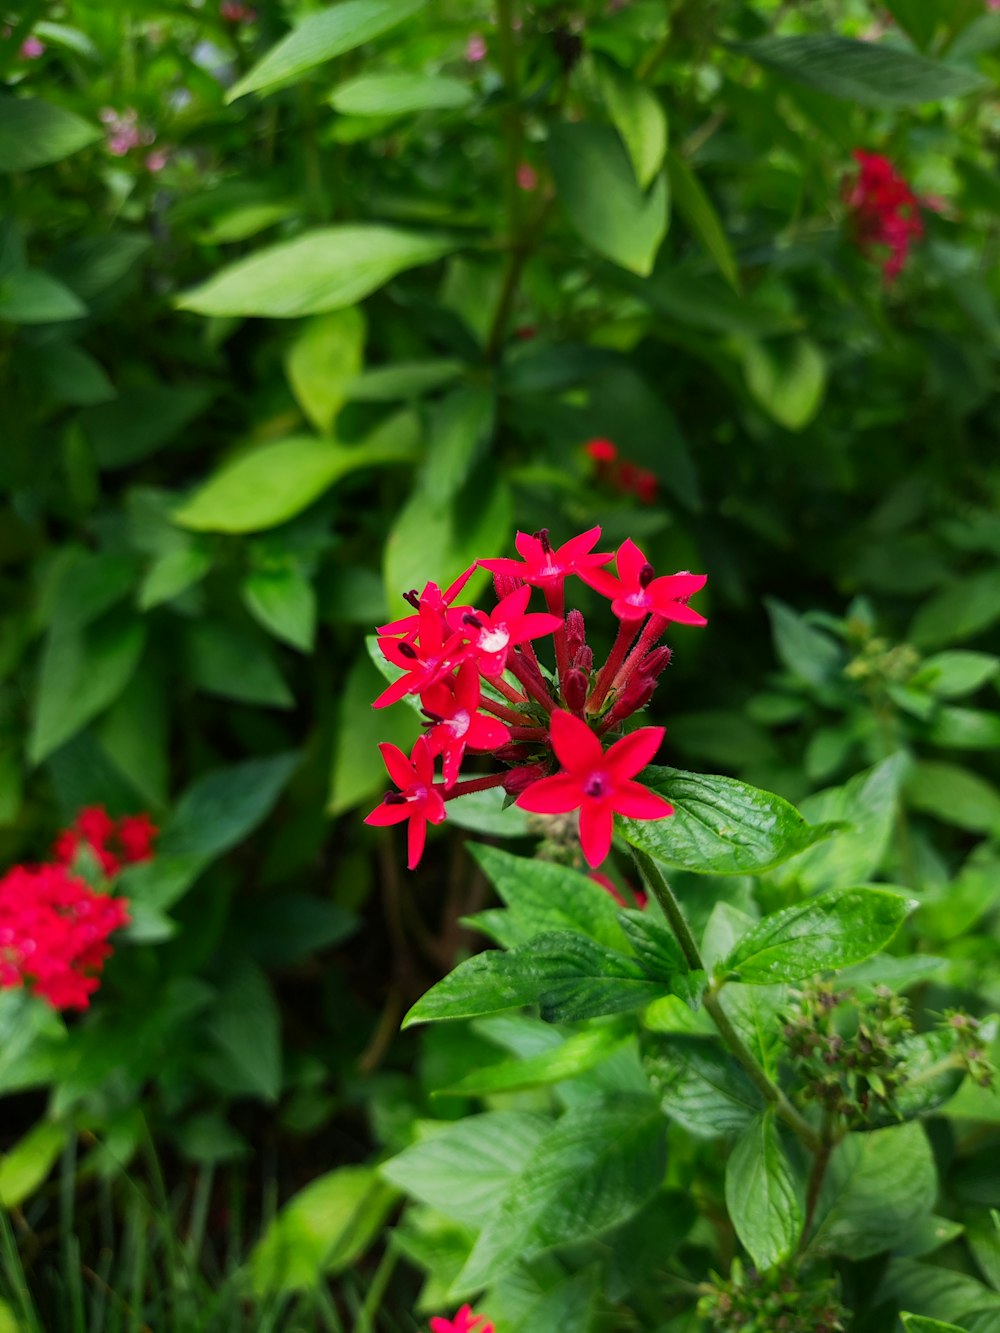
(972, 1036)
(846, 1049)
(772, 1302)
(880, 663)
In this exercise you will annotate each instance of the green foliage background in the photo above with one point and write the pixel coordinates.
(330, 347)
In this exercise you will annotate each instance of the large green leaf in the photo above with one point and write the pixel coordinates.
(567, 975)
(762, 1195)
(914, 1323)
(696, 208)
(284, 602)
(29, 296)
(958, 611)
(464, 1170)
(24, 1166)
(786, 377)
(399, 94)
(34, 133)
(831, 931)
(598, 190)
(578, 1054)
(234, 663)
(319, 271)
(322, 36)
(220, 809)
(869, 73)
(273, 482)
(593, 1170)
(638, 115)
(879, 1188)
(246, 1028)
(700, 1085)
(720, 826)
(323, 1229)
(357, 772)
(322, 362)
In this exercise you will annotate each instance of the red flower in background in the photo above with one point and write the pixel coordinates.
(464, 1322)
(636, 591)
(626, 477)
(885, 212)
(113, 842)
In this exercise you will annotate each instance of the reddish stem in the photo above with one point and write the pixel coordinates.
(531, 678)
(627, 630)
(650, 636)
(471, 785)
(528, 733)
(555, 600)
(507, 691)
(501, 711)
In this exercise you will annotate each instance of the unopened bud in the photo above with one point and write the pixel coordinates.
(512, 753)
(520, 779)
(505, 584)
(575, 691)
(584, 660)
(576, 633)
(656, 661)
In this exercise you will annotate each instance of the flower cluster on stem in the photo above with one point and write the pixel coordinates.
(885, 212)
(557, 729)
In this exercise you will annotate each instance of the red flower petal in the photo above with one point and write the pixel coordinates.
(552, 796)
(596, 828)
(575, 744)
(633, 752)
(635, 801)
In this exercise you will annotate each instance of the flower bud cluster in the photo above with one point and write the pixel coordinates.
(972, 1038)
(483, 689)
(54, 926)
(772, 1302)
(885, 213)
(847, 1050)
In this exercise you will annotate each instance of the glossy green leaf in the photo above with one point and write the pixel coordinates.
(567, 975)
(221, 808)
(820, 934)
(325, 1228)
(719, 826)
(576, 1055)
(273, 482)
(323, 361)
(245, 1026)
(400, 94)
(943, 1293)
(786, 378)
(638, 115)
(320, 37)
(597, 188)
(319, 271)
(700, 1085)
(914, 1323)
(34, 133)
(25, 1166)
(32, 297)
(762, 1195)
(465, 1169)
(693, 204)
(284, 602)
(879, 1187)
(593, 1170)
(869, 73)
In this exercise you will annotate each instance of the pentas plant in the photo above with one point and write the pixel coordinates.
(557, 729)
(54, 926)
(464, 1322)
(884, 210)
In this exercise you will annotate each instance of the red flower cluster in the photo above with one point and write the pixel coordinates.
(113, 842)
(54, 927)
(464, 1322)
(482, 688)
(626, 477)
(884, 210)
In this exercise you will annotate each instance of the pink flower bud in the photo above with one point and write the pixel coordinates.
(575, 691)
(519, 780)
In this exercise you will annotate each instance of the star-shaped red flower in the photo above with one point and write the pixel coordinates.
(426, 656)
(635, 592)
(493, 635)
(457, 726)
(544, 566)
(598, 782)
(417, 800)
(464, 1322)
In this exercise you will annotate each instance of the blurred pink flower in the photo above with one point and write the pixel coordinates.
(156, 160)
(235, 12)
(993, 4)
(475, 49)
(527, 177)
(32, 48)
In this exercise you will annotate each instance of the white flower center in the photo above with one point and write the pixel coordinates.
(494, 640)
(459, 724)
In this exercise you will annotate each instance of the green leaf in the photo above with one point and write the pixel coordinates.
(464, 1170)
(403, 379)
(943, 1293)
(357, 771)
(598, 191)
(964, 729)
(488, 812)
(71, 375)
(319, 271)
(576, 1055)
(322, 36)
(27, 1164)
(821, 934)
(696, 208)
(719, 826)
(594, 1169)
(868, 73)
(323, 361)
(918, 18)
(762, 1196)
(325, 1228)
(246, 1027)
(83, 670)
(807, 652)
(221, 808)
(174, 572)
(34, 133)
(234, 663)
(460, 428)
(399, 94)
(141, 420)
(284, 602)
(638, 116)
(567, 975)
(951, 675)
(867, 806)
(545, 896)
(958, 611)
(914, 1323)
(250, 219)
(32, 297)
(787, 378)
(955, 796)
(273, 482)
(700, 1085)
(879, 1188)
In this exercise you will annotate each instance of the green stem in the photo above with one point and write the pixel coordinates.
(657, 884)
